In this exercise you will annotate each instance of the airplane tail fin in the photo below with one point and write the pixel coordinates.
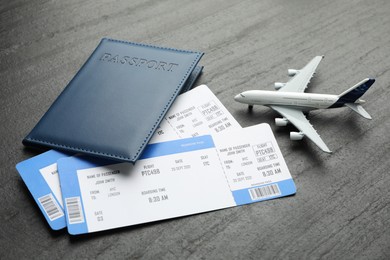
(351, 97)
(353, 94)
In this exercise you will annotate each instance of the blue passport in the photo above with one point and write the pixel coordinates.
(114, 104)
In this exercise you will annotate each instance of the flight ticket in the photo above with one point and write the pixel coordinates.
(196, 112)
(173, 179)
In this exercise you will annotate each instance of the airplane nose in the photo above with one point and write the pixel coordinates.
(237, 97)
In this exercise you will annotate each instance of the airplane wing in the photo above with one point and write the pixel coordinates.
(299, 82)
(298, 119)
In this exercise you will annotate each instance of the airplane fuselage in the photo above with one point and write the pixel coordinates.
(303, 101)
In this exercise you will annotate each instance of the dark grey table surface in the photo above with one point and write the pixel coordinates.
(341, 209)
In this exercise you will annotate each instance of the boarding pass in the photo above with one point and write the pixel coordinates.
(174, 179)
(196, 112)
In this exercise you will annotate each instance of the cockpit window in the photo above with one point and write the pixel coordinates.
(242, 95)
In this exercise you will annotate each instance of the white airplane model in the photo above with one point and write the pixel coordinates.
(291, 102)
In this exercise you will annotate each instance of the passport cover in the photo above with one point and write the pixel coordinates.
(115, 102)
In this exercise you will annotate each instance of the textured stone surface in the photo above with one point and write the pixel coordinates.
(341, 209)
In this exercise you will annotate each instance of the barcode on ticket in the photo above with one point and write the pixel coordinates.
(264, 192)
(51, 207)
(75, 214)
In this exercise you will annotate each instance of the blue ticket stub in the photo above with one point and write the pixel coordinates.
(173, 179)
(41, 178)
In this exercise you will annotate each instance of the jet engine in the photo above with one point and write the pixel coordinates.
(296, 136)
(279, 85)
(281, 121)
(292, 72)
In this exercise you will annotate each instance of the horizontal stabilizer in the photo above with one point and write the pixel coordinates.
(358, 109)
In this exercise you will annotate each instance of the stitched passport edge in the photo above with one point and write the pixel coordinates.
(168, 105)
(193, 77)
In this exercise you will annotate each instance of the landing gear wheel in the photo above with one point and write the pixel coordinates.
(250, 107)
